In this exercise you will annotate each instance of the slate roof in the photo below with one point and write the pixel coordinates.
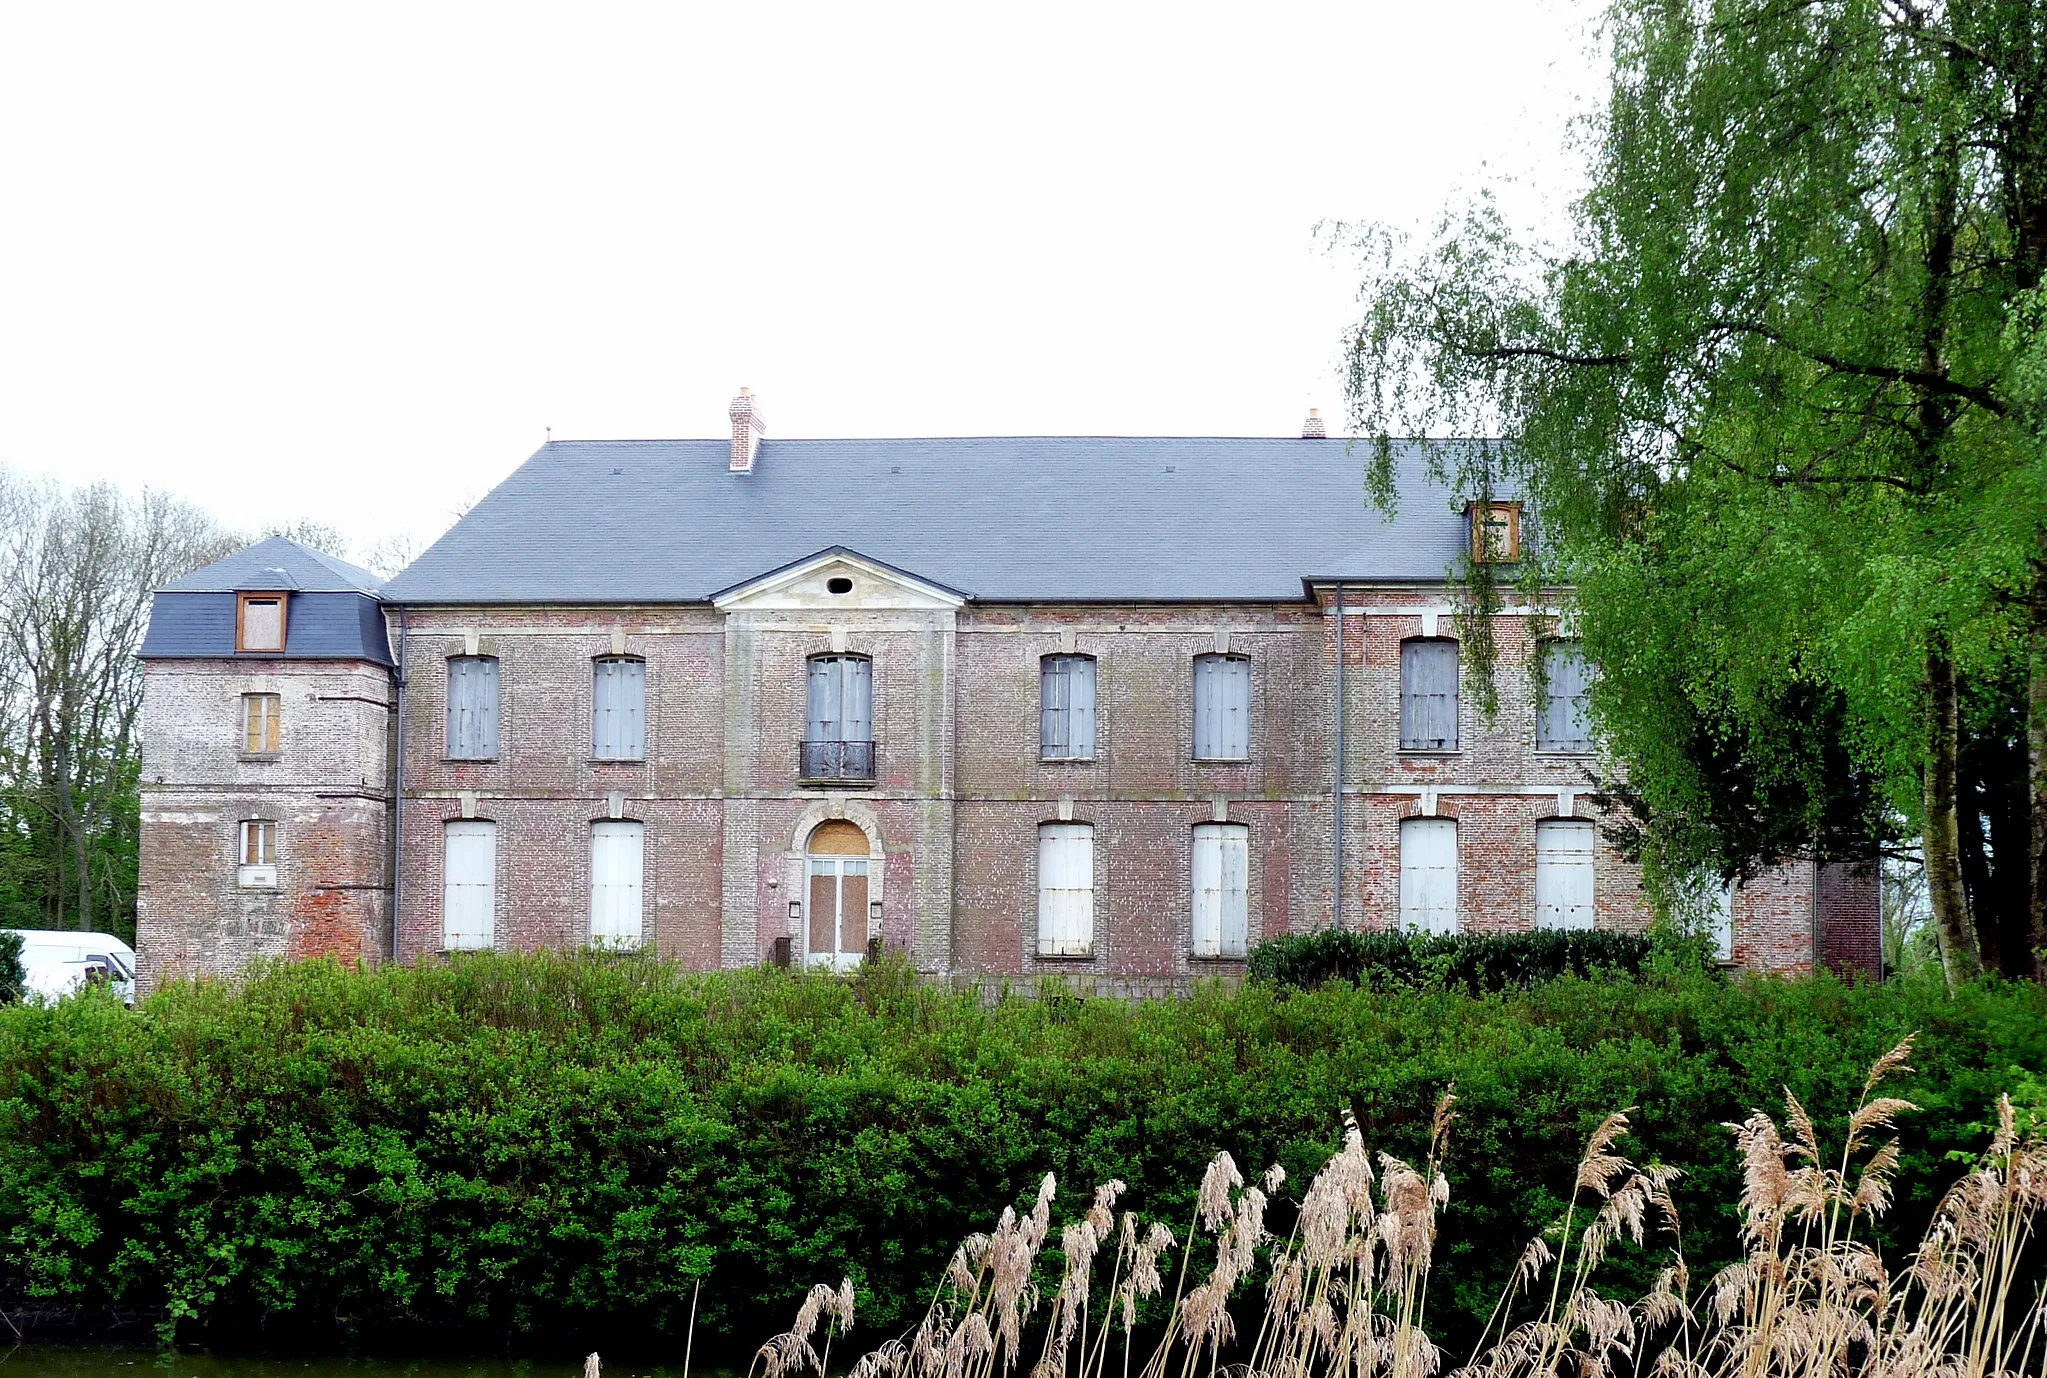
(277, 563)
(1002, 519)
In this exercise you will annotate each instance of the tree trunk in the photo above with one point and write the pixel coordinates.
(1951, 923)
(2036, 744)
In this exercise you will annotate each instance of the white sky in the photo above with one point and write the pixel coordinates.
(347, 262)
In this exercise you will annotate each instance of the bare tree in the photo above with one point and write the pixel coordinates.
(77, 569)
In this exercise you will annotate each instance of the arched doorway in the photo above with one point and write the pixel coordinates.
(835, 902)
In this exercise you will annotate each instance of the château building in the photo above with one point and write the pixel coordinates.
(1104, 707)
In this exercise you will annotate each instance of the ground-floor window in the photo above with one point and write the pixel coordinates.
(1066, 889)
(1221, 851)
(618, 853)
(1563, 874)
(469, 884)
(1428, 875)
(835, 918)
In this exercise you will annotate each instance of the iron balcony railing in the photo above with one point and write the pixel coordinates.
(835, 760)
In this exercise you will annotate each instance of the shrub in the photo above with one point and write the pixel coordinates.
(13, 973)
(559, 1146)
(1476, 963)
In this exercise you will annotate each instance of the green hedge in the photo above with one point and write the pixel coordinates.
(1474, 962)
(556, 1147)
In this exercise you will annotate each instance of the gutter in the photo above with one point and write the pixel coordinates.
(1336, 896)
(398, 794)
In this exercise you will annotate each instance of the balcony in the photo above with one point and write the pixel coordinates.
(838, 763)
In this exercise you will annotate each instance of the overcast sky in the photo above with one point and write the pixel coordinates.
(349, 262)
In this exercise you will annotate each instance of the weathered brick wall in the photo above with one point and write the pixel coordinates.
(1849, 904)
(326, 790)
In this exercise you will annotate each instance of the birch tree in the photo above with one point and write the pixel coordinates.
(1778, 398)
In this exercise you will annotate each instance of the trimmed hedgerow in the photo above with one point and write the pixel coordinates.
(1473, 962)
(558, 1146)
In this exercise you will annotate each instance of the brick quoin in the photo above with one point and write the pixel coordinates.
(953, 814)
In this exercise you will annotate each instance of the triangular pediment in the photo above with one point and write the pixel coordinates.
(837, 578)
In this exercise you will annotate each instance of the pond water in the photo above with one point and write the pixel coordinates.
(90, 1361)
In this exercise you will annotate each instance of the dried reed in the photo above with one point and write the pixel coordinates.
(1346, 1292)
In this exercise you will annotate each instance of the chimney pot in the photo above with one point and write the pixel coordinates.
(747, 430)
(1312, 428)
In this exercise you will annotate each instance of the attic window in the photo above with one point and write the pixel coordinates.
(1495, 532)
(259, 622)
(838, 584)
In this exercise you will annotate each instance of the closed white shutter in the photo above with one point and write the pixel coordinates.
(473, 708)
(1222, 708)
(859, 673)
(1563, 874)
(1066, 889)
(469, 885)
(1428, 695)
(1563, 724)
(1066, 712)
(618, 710)
(1428, 874)
(1221, 855)
(1723, 921)
(617, 870)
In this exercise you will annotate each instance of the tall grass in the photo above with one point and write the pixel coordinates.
(1346, 1291)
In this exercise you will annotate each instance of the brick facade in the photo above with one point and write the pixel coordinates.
(954, 812)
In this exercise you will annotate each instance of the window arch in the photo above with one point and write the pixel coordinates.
(1222, 707)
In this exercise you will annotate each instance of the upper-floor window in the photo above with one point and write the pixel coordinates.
(1066, 708)
(1221, 899)
(1563, 873)
(259, 842)
(838, 728)
(261, 731)
(1222, 708)
(1561, 721)
(1066, 889)
(472, 708)
(618, 709)
(259, 621)
(469, 883)
(1428, 694)
(1428, 874)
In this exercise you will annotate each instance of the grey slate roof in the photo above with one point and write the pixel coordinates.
(318, 626)
(1002, 519)
(277, 563)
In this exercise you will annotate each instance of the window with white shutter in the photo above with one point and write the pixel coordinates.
(1428, 874)
(1563, 873)
(1222, 708)
(1221, 901)
(1722, 920)
(1561, 720)
(618, 852)
(618, 709)
(1066, 889)
(1428, 694)
(469, 884)
(1066, 708)
(472, 708)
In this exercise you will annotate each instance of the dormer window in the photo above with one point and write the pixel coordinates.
(259, 622)
(1495, 532)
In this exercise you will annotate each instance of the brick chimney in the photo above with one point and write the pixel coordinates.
(1312, 428)
(747, 430)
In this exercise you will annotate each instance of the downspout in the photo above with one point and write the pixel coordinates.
(398, 794)
(1336, 898)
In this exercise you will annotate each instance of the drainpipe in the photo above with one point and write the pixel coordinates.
(1336, 898)
(398, 793)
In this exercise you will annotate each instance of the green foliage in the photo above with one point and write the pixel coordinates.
(13, 973)
(559, 1146)
(1477, 963)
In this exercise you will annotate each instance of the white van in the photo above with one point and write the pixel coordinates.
(60, 962)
